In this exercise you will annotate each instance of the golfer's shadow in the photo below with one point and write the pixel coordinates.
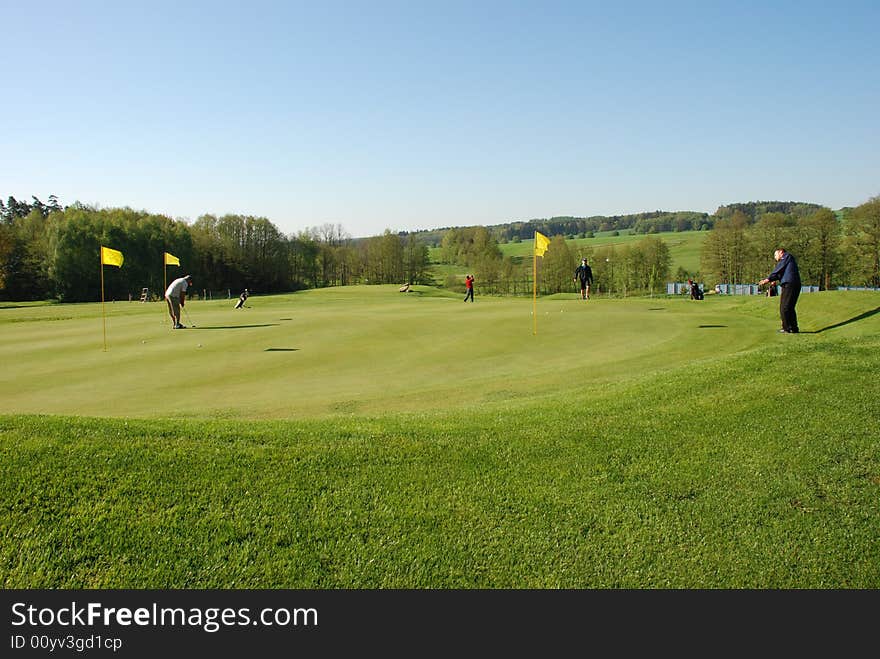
(854, 319)
(213, 327)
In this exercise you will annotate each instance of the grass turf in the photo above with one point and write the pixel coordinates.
(719, 455)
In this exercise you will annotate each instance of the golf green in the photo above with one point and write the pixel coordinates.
(365, 350)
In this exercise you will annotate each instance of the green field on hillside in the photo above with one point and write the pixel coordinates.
(684, 250)
(684, 246)
(365, 438)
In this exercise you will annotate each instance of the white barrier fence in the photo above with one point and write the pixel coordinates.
(677, 288)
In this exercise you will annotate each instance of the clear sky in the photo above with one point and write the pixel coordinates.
(414, 115)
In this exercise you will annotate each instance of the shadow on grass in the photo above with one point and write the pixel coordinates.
(710, 326)
(854, 319)
(215, 327)
(281, 349)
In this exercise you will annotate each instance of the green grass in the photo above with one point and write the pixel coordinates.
(684, 246)
(364, 350)
(413, 441)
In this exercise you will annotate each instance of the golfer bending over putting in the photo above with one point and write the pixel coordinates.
(175, 296)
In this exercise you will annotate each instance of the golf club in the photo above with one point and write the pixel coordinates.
(188, 319)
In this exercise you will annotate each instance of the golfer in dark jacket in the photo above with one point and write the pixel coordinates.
(789, 278)
(585, 273)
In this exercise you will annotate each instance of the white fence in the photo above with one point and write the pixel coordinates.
(677, 288)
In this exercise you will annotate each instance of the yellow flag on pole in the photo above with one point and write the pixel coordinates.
(542, 242)
(108, 257)
(111, 257)
(171, 260)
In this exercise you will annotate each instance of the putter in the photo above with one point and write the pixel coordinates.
(188, 319)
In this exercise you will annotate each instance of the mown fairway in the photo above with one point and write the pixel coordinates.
(366, 438)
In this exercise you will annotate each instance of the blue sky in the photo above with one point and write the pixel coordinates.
(417, 115)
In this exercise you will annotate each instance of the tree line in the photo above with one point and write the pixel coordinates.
(832, 249)
(643, 223)
(49, 251)
(585, 227)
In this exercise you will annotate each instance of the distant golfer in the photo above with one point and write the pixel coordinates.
(241, 298)
(787, 274)
(175, 296)
(469, 288)
(584, 273)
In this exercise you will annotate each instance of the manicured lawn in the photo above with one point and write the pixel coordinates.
(378, 440)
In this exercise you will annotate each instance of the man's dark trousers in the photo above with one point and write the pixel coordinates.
(787, 300)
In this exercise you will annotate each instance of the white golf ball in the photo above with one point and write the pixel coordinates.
(200, 345)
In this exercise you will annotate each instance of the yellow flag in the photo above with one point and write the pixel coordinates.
(542, 242)
(171, 260)
(111, 257)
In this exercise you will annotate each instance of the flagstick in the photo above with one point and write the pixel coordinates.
(535, 284)
(103, 316)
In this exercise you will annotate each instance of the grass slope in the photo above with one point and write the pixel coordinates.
(712, 454)
(684, 246)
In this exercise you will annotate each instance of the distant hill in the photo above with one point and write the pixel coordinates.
(644, 223)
